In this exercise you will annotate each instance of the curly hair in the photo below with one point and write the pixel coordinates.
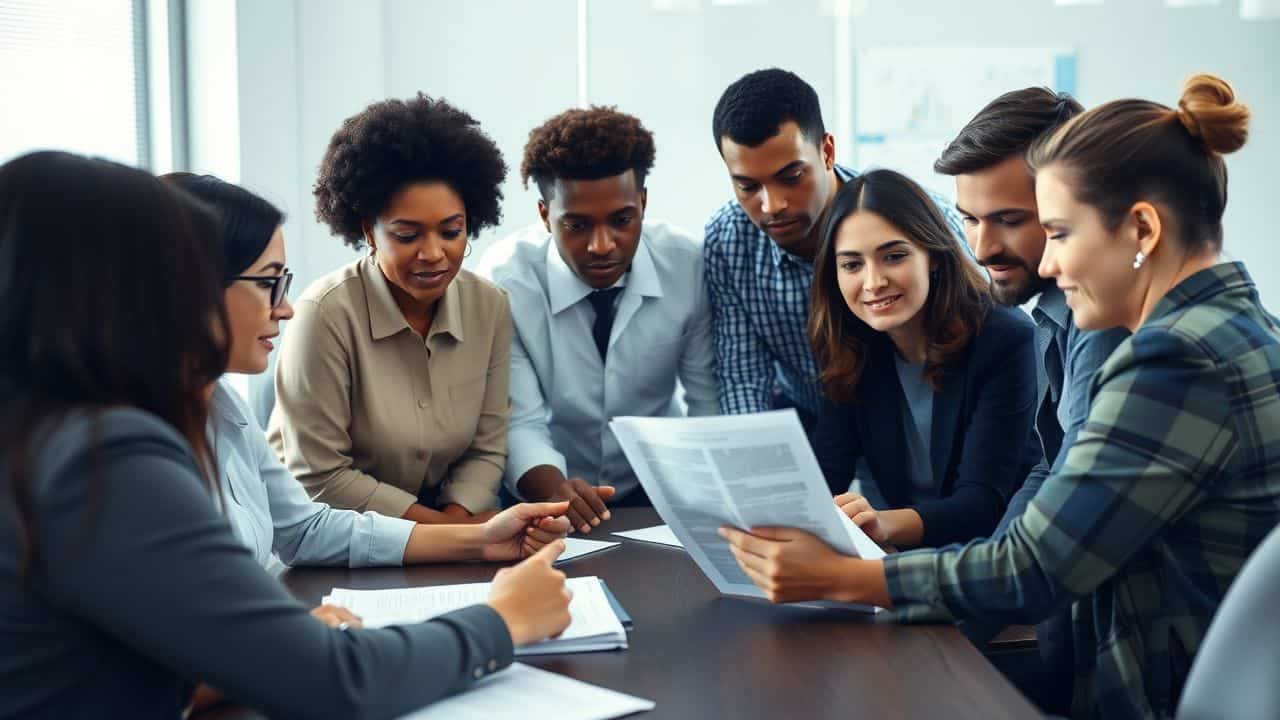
(751, 110)
(395, 142)
(589, 144)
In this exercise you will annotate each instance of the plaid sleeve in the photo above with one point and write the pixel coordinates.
(1158, 433)
(744, 367)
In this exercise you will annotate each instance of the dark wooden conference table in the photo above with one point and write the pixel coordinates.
(698, 654)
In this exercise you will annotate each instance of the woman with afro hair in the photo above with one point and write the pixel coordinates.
(391, 389)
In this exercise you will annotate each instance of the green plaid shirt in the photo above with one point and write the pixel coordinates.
(1172, 482)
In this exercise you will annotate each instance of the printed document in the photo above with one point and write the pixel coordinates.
(738, 470)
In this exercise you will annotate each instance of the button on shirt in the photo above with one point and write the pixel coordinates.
(760, 304)
(369, 413)
(562, 394)
(269, 510)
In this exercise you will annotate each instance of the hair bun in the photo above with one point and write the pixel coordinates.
(1209, 111)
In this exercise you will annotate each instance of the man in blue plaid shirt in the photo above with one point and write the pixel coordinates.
(760, 246)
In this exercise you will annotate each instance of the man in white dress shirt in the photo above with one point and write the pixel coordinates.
(610, 311)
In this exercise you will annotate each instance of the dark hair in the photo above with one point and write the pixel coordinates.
(392, 143)
(959, 296)
(1007, 126)
(1119, 153)
(109, 281)
(752, 109)
(590, 144)
(248, 221)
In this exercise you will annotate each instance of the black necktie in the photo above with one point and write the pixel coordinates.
(602, 301)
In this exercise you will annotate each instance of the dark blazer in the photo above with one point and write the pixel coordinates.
(140, 588)
(982, 428)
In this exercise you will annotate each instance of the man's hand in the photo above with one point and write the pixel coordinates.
(586, 502)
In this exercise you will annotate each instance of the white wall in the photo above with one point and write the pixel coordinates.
(304, 66)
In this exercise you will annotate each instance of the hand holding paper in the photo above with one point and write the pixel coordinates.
(742, 471)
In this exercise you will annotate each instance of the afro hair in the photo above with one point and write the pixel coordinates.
(391, 143)
(589, 144)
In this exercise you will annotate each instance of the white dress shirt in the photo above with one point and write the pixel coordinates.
(270, 511)
(562, 394)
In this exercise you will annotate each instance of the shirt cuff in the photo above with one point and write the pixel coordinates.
(379, 540)
(912, 578)
(471, 492)
(390, 500)
(525, 454)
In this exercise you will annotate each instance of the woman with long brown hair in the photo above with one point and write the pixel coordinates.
(928, 384)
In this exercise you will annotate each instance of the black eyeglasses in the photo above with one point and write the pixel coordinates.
(279, 284)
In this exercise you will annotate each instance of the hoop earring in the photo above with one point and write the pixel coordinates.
(1138, 260)
(467, 252)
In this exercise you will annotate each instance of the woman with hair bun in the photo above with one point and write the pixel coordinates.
(1174, 478)
(391, 389)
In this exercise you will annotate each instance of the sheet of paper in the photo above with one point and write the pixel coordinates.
(592, 616)
(577, 547)
(521, 692)
(660, 534)
(738, 470)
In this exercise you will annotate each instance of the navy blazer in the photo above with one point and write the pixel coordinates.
(982, 427)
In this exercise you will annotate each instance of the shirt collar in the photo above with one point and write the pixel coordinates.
(222, 405)
(1202, 287)
(1052, 303)
(780, 256)
(564, 288)
(385, 316)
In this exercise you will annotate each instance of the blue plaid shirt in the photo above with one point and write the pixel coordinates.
(760, 311)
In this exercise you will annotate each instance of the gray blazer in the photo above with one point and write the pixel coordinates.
(140, 590)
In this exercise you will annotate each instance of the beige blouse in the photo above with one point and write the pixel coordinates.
(367, 412)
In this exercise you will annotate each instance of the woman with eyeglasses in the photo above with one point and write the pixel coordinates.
(120, 581)
(267, 507)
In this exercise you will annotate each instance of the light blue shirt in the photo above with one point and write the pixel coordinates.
(269, 509)
(918, 427)
(562, 394)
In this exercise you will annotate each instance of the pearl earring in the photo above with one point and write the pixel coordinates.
(1138, 260)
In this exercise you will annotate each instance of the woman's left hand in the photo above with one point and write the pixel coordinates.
(521, 530)
(789, 565)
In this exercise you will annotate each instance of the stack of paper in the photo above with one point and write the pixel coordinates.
(594, 626)
(521, 692)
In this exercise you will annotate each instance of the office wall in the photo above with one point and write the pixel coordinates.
(304, 66)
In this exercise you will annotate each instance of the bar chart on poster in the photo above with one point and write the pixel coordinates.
(910, 102)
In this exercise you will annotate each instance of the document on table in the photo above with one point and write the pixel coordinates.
(575, 548)
(660, 534)
(522, 691)
(738, 470)
(593, 626)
